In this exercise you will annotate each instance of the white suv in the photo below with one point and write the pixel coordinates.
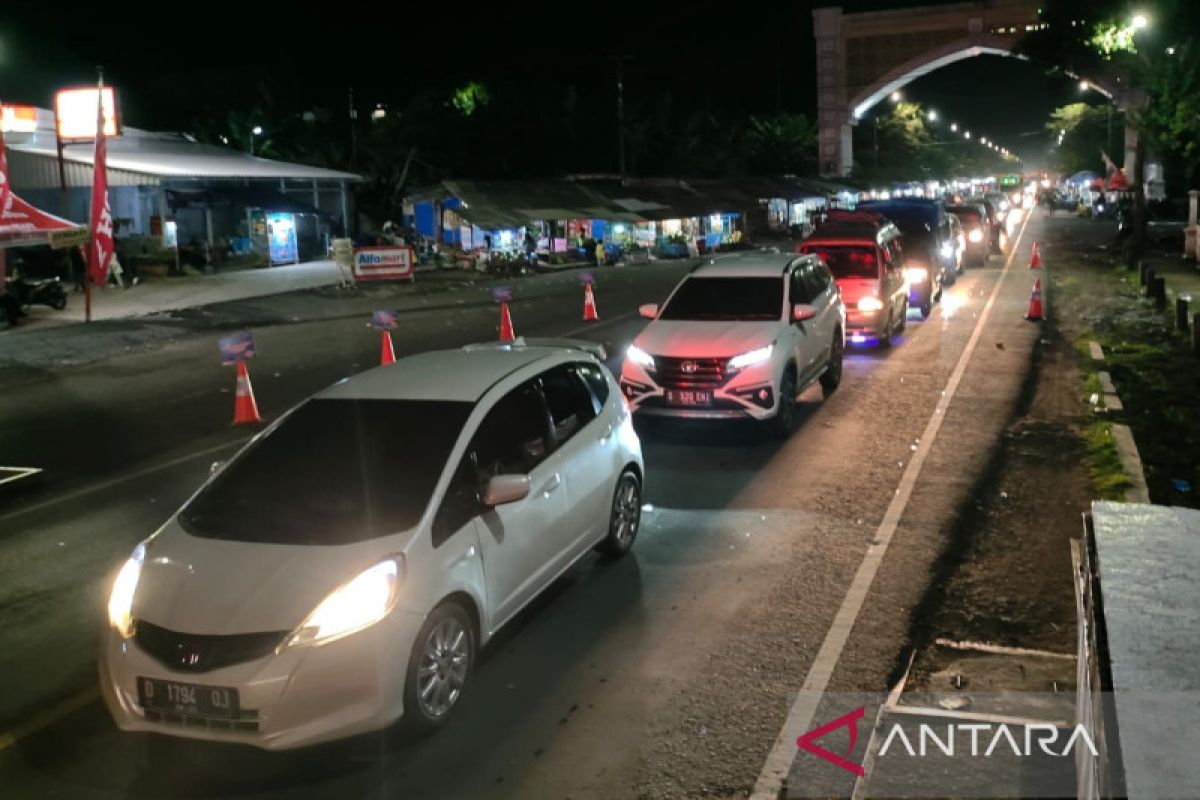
(740, 337)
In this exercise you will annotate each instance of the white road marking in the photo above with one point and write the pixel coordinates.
(800, 715)
(108, 484)
(17, 473)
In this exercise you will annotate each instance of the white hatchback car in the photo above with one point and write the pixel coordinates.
(740, 337)
(345, 567)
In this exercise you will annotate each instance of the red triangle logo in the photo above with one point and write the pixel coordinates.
(850, 720)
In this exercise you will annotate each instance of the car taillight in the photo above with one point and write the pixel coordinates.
(870, 303)
(976, 236)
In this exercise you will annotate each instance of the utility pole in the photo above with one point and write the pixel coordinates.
(621, 111)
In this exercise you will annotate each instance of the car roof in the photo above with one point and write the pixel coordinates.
(464, 374)
(758, 264)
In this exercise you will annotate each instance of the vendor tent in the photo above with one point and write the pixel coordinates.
(21, 224)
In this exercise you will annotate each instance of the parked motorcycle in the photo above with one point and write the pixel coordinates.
(48, 292)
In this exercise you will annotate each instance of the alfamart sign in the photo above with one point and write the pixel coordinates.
(392, 263)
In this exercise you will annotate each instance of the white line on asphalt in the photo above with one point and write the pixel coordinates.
(108, 484)
(48, 717)
(800, 715)
(19, 473)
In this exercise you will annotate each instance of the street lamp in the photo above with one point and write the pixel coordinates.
(954, 127)
(255, 131)
(967, 134)
(1140, 22)
(932, 115)
(897, 97)
(1084, 86)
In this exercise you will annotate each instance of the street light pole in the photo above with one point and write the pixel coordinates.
(620, 111)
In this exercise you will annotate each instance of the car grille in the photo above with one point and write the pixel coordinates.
(190, 652)
(689, 373)
(246, 723)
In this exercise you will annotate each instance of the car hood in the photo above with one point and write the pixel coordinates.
(688, 339)
(211, 586)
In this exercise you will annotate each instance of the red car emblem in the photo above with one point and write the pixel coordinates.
(688, 367)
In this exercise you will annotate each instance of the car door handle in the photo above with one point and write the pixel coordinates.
(608, 431)
(551, 485)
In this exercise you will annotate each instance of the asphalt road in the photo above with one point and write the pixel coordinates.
(666, 674)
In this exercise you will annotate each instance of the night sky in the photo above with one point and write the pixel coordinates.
(174, 62)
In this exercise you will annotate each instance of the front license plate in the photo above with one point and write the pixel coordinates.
(686, 397)
(188, 698)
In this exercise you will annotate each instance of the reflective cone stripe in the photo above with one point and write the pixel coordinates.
(506, 325)
(589, 304)
(1035, 303)
(387, 355)
(245, 410)
(1035, 260)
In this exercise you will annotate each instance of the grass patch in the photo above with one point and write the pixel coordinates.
(1104, 463)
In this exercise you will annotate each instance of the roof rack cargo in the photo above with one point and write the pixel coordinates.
(594, 348)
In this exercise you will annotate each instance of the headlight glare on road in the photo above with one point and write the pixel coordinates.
(120, 600)
(751, 358)
(870, 303)
(357, 604)
(976, 236)
(947, 250)
(639, 356)
(915, 274)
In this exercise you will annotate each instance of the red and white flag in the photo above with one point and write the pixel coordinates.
(5, 189)
(100, 249)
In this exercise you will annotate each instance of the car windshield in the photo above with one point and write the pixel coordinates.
(967, 216)
(726, 298)
(333, 472)
(847, 261)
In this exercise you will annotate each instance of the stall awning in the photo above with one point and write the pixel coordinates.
(22, 225)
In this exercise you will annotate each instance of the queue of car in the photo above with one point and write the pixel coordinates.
(296, 599)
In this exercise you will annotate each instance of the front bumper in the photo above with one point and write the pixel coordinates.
(299, 697)
(750, 394)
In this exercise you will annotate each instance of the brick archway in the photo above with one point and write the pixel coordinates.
(862, 58)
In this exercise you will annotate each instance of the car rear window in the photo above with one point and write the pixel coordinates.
(967, 216)
(847, 261)
(726, 298)
(333, 472)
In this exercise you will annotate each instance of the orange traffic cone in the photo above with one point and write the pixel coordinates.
(589, 304)
(387, 355)
(1034, 314)
(1035, 260)
(245, 410)
(506, 326)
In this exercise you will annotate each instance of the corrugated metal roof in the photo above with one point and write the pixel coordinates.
(149, 157)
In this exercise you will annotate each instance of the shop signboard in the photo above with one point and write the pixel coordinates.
(391, 263)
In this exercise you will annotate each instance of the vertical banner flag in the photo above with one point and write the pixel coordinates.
(236, 347)
(100, 251)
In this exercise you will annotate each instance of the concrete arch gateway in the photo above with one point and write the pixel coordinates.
(864, 57)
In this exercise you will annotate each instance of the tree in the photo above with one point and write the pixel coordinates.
(781, 143)
(1082, 132)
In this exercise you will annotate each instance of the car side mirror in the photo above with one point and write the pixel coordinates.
(648, 310)
(505, 489)
(802, 312)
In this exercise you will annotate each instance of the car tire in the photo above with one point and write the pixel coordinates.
(446, 643)
(903, 326)
(926, 309)
(885, 338)
(59, 303)
(625, 516)
(785, 418)
(832, 376)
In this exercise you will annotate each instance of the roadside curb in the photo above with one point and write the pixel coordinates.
(1131, 459)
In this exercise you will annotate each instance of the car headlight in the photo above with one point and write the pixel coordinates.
(357, 604)
(915, 274)
(120, 600)
(751, 358)
(976, 236)
(870, 303)
(639, 356)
